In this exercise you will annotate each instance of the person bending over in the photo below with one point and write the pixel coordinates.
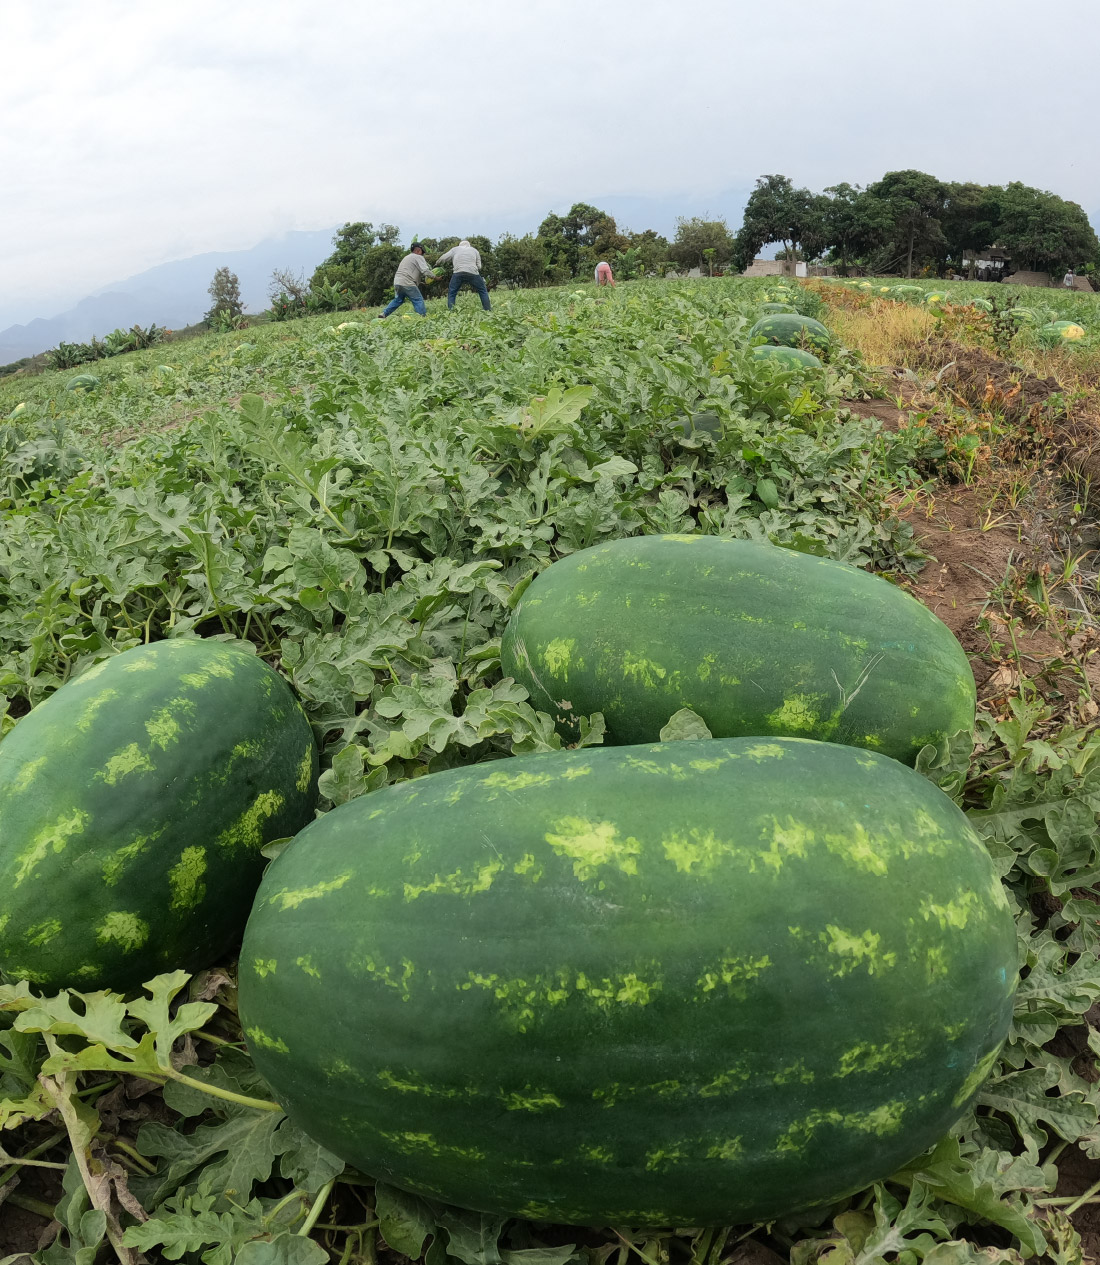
(466, 263)
(603, 274)
(406, 282)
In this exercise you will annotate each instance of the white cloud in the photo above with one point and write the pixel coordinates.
(136, 133)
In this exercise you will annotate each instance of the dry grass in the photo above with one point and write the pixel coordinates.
(1077, 369)
(884, 333)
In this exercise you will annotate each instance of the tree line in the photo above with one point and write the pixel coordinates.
(911, 222)
(361, 267)
(907, 222)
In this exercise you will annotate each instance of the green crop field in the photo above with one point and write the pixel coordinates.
(365, 503)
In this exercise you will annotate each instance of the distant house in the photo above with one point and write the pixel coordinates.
(993, 264)
(782, 268)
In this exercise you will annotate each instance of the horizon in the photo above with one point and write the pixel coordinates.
(212, 130)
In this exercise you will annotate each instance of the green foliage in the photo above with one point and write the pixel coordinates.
(916, 203)
(225, 290)
(521, 261)
(910, 220)
(576, 242)
(346, 517)
(853, 222)
(778, 212)
(695, 237)
(1042, 231)
(359, 270)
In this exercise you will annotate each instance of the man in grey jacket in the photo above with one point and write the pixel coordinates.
(466, 262)
(406, 282)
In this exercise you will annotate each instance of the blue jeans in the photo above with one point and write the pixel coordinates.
(472, 279)
(400, 294)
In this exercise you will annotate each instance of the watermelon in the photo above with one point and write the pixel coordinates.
(82, 382)
(790, 330)
(776, 307)
(135, 802)
(754, 638)
(788, 357)
(700, 982)
(705, 423)
(1063, 331)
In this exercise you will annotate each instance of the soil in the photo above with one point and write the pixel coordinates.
(22, 1231)
(885, 411)
(981, 380)
(974, 551)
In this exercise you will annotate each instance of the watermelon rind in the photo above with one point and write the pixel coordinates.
(700, 982)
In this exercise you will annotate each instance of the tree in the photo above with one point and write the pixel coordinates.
(778, 212)
(971, 217)
(916, 203)
(484, 248)
(285, 281)
(521, 261)
(1044, 232)
(351, 242)
(581, 238)
(379, 265)
(853, 222)
(363, 261)
(695, 236)
(225, 290)
(652, 250)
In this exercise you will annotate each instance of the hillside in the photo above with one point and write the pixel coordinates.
(170, 294)
(364, 503)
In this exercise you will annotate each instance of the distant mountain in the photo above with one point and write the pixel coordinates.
(172, 294)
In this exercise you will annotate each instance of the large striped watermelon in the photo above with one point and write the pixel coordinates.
(133, 806)
(787, 357)
(756, 639)
(791, 330)
(691, 983)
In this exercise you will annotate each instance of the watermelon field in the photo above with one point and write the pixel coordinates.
(317, 562)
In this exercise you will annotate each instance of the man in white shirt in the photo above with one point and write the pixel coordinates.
(1068, 280)
(406, 282)
(466, 262)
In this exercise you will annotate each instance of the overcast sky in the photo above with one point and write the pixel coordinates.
(134, 133)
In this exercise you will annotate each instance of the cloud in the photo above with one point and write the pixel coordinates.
(132, 135)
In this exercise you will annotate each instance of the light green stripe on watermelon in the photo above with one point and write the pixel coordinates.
(754, 638)
(755, 975)
(135, 801)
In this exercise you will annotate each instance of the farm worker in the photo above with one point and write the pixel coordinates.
(603, 274)
(1067, 280)
(406, 282)
(466, 262)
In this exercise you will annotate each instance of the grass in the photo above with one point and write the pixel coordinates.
(365, 506)
(884, 333)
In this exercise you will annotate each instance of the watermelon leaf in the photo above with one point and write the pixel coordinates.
(1023, 1097)
(406, 1221)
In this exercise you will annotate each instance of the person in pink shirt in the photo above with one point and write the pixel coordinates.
(603, 274)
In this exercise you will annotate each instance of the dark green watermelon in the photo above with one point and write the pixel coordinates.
(790, 330)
